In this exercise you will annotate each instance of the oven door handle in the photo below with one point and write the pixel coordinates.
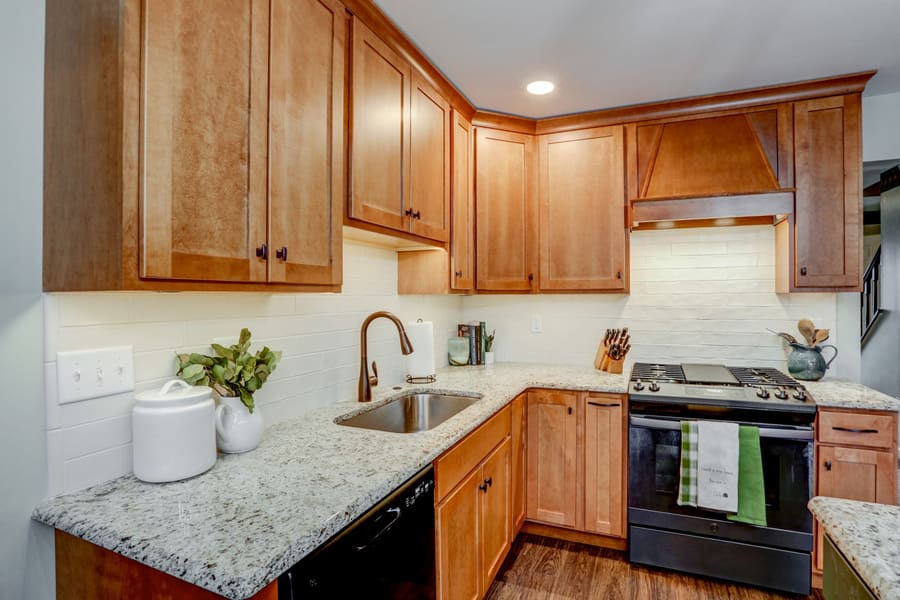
(800, 435)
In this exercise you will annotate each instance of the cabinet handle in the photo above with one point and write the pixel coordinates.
(282, 253)
(827, 465)
(489, 481)
(570, 410)
(263, 252)
(483, 487)
(851, 430)
(803, 270)
(605, 405)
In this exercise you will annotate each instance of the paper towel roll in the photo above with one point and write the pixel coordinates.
(421, 362)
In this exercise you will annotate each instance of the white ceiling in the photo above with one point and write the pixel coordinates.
(604, 53)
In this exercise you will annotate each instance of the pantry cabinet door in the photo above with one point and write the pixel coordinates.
(306, 133)
(552, 457)
(203, 139)
(582, 214)
(429, 174)
(379, 131)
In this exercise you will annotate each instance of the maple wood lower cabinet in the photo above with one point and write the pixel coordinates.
(201, 143)
(856, 459)
(519, 460)
(472, 509)
(576, 462)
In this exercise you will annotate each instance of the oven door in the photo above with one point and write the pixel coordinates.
(653, 475)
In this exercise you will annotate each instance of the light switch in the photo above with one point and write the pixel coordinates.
(537, 324)
(86, 374)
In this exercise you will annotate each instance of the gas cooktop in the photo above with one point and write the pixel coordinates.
(718, 385)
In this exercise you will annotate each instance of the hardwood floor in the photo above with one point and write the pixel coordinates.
(539, 567)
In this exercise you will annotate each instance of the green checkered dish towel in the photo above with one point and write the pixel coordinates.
(687, 488)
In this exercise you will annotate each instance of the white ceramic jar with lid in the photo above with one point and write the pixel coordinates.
(173, 432)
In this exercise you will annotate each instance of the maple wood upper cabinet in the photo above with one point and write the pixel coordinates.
(306, 140)
(506, 205)
(400, 143)
(828, 205)
(206, 150)
(462, 205)
(582, 210)
(743, 152)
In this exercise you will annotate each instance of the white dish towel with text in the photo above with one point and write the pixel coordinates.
(718, 451)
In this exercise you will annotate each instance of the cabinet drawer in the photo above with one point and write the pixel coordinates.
(857, 429)
(455, 463)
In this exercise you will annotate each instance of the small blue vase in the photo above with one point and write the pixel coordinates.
(807, 363)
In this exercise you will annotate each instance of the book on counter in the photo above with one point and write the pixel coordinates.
(475, 332)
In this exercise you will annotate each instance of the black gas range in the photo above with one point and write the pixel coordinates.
(749, 388)
(663, 533)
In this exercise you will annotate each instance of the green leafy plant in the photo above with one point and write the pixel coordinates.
(489, 341)
(233, 371)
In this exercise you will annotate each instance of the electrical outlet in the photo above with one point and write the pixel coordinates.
(537, 324)
(86, 374)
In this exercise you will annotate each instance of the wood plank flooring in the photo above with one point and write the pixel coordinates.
(543, 568)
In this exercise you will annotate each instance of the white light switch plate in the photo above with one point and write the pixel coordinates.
(85, 374)
(537, 324)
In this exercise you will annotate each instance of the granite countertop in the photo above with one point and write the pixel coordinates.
(845, 394)
(869, 536)
(237, 527)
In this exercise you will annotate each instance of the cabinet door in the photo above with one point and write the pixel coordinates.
(496, 535)
(582, 216)
(518, 461)
(507, 210)
(379, 131)
(306, 133)
(828, 210)
(552, 449)
(429, 171)
(462, 205)
(203, 136)
(458, 539)
(603, 465)
(854, 474)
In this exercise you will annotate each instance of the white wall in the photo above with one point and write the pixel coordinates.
(881, 127)
(704, 295)
(26, 547)
(90, 442)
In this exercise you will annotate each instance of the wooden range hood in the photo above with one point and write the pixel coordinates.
(712, 167)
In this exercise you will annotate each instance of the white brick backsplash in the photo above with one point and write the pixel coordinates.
(90, 442)
(696, 295)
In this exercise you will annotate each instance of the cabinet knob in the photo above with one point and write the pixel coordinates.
(408, 212)
(618, 274)
(489, 481)
(827, 465)
(570, 410)
(458, 273)
(417, 215)
(483, 487)
(282, 253)
(803, 270)
(263, 252)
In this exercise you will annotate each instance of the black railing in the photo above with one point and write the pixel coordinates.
(870, 299)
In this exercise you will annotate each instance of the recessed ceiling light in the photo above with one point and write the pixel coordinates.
(539, 88)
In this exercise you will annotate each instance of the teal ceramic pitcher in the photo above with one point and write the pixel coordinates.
(808, 363)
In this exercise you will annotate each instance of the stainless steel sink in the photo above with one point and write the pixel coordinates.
(411, 413)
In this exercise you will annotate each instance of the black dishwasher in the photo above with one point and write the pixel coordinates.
(386, 553)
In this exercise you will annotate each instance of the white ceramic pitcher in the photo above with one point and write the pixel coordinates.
(237, 429)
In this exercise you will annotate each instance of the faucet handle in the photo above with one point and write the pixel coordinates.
(373, 379)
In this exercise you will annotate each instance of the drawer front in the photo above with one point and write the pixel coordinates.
(857, 429)
(458, 461)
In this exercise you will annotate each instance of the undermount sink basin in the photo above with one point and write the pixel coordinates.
(411, 413)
